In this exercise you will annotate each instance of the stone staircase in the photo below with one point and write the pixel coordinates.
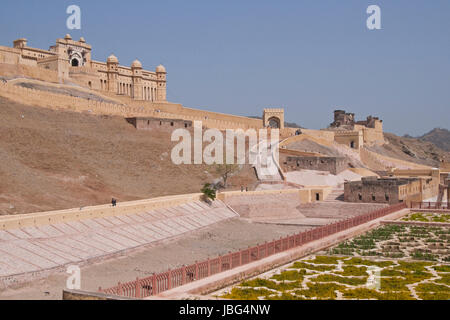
(36, 248)
(335, 195)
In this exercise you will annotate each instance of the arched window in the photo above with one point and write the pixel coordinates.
(274, 123)
(75, 63)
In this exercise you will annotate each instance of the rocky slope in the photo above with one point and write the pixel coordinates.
(439, 137)
(411, 149)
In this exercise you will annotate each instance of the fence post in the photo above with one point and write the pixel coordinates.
(183, 275)
(209, 266)
(154, 286)
(169, 279)
(257, 251)
(138, 289)
(119, 289)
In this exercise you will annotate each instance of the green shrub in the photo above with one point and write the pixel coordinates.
(339, 279)
(257, 283)
(290, 275)
(321, 290)
(324, 260)
(246, 294)
(353, 271)
(303, 265)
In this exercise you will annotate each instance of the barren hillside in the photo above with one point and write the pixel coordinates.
(411, 149)
(439, 137)
(55, 160)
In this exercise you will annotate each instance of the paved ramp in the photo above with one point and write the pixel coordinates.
(39, 248)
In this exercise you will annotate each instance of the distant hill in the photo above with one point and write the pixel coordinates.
(411, 149)
(439, 137)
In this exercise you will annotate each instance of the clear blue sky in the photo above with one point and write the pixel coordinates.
(309, 57)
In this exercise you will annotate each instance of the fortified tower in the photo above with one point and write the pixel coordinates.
(113, 73)
(77, 53)
(274, 118)
(161, 79)
(136, 67)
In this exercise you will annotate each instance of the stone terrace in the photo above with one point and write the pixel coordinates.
(34, 249)
(287, 209)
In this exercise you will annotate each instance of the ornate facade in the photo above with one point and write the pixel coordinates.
(72, 61)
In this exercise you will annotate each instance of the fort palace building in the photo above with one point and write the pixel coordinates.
(71, 59)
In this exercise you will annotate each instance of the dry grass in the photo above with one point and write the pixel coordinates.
(53, 160)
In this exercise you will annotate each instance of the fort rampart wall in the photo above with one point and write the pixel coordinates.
(57, 101)
(131, 207)
(14, 70)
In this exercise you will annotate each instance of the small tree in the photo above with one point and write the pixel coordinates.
(225, 171)
(209, 193)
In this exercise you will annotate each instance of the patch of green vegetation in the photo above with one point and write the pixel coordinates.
(320, 290)
(394, 284)
(400, 283)
(396, 255)
(442, 268)
(445, 279)
(367, 294)
(339, 279)
(353, 271)
(343, 251)
(303, 265)
(420, 255)
(246, 294)
(415, 266)
(324, 260)
(285, 296)
(416, 217)
(290, 275)
(263, 283)
(434, 296)
(442, 218)
(432, 287)
(428, 217)
(365, 262)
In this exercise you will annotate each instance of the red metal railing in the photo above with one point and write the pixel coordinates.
(430, 205)
(158, 283)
